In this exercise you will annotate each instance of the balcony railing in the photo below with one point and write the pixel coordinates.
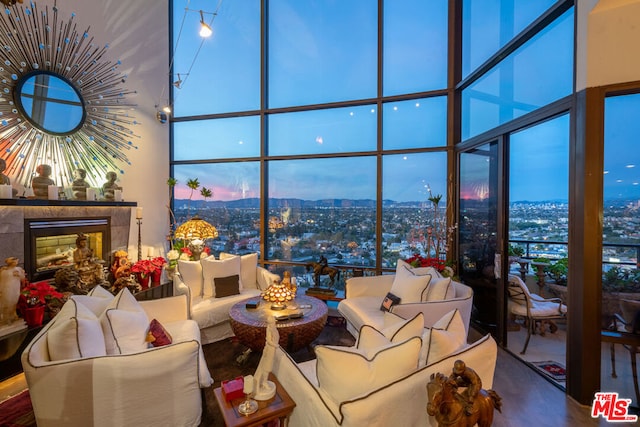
(633, 249)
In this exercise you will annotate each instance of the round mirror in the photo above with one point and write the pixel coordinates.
(50, 102)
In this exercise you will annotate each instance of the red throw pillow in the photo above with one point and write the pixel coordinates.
(158, 335)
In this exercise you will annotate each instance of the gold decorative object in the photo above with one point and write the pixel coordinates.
(278, 294)
(46, 51)
(196, 228)
(196, 231)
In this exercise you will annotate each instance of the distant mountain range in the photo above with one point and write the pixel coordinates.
(296, 203)
(254, 203)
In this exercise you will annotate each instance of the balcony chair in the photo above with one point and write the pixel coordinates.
(628, 325)
(535, 309)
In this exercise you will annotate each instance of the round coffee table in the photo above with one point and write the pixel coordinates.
(250, 325)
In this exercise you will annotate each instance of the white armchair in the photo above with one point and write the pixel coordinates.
(402, 402)
(195, 279)
(156, 386)
(364, 295)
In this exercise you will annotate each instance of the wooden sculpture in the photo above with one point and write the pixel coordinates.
(461, 409)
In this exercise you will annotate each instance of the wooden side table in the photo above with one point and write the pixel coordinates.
(279, 407)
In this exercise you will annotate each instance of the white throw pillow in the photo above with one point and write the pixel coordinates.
(440, 290)
(248, 264)
(409, 287)
(371, 339)
(345, 373)
(191, 273)
(445, 337)
(96, 300)
(75, 333)
(418, 271)
(212, 269)
(124, 324)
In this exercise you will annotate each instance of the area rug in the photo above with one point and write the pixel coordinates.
(222, 361)
(16, 411)
(554, 370)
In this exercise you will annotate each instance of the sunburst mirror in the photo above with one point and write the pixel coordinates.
(62, 102)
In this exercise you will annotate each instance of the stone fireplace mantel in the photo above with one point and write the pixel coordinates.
(14, 212)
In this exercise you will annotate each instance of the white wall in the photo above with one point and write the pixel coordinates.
(613, 33)
(138, 34)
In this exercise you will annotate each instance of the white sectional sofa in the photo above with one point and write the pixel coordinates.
(196, 280)
(92, 365)
(430, 294)
(349, 386)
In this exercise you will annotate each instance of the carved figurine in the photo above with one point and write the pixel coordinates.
(11, 276)
(4, 179)
(90, 269)
(466, 377)
(322, 268)
(109, 187)
(41, 183)
(82, 255)
(461, 409)
(79, 185)
(289, 282)
(121, 267)
(265, 389)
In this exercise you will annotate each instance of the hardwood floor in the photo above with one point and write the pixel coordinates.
(12, 386)
(528, 398)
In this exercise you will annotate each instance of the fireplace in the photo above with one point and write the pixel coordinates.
(49, 243)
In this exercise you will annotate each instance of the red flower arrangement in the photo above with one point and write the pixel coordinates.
(145, 267)
(188, 255)
(444, 267)
(159, 262)
(38, 293)
(420, 261)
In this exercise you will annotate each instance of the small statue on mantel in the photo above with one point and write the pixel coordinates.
(79, 185)
(41, 183)
(11, 276)
(109, 188)
(4, 179)
(10, 2)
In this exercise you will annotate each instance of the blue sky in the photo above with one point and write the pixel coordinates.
(317, 55)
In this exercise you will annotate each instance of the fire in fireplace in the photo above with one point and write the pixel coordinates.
(49, 243)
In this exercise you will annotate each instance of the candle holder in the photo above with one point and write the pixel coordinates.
(139, 238)
(249, 406)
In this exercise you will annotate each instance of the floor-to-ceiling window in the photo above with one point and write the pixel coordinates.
(320, 127)
(291, 106)
(538, 219)
(621, 245)
(515, 103)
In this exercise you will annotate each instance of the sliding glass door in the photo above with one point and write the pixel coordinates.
(479, 255)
